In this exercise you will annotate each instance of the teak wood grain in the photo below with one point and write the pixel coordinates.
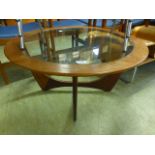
(137, 56)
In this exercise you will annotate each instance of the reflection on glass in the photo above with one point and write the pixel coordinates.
(77, 46)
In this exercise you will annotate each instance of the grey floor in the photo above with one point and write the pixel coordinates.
(127, 109)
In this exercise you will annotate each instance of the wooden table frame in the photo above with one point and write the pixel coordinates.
(105, 83)
(109, 72)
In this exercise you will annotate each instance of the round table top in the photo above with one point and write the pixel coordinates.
(76, 51)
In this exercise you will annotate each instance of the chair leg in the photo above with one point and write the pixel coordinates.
(4, 75)
(134, 74)
(132, 77)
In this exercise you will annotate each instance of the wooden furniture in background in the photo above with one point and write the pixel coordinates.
(147, 32)
(119, 25)
(12, 22)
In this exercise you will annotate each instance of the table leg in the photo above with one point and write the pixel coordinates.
(73, 41)
(4, 75)
(75, 84)
(76, 37)
(104, 83)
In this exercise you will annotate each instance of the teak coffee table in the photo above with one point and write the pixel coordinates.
(76, 52)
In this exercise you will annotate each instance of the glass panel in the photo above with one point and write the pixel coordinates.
(77, 46)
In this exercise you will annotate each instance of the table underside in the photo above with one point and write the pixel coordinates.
(105, 83)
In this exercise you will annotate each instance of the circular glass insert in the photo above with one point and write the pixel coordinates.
(81, 45)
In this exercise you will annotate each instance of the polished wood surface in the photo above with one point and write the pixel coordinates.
(137, 56)
(109, 72)
(105, 83)
(145, 32)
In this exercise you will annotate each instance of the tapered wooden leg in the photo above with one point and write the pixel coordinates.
(76, 37)
(4, 75)
(75, 81)
(72, 41)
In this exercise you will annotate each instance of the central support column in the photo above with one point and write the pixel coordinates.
(75, 85)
